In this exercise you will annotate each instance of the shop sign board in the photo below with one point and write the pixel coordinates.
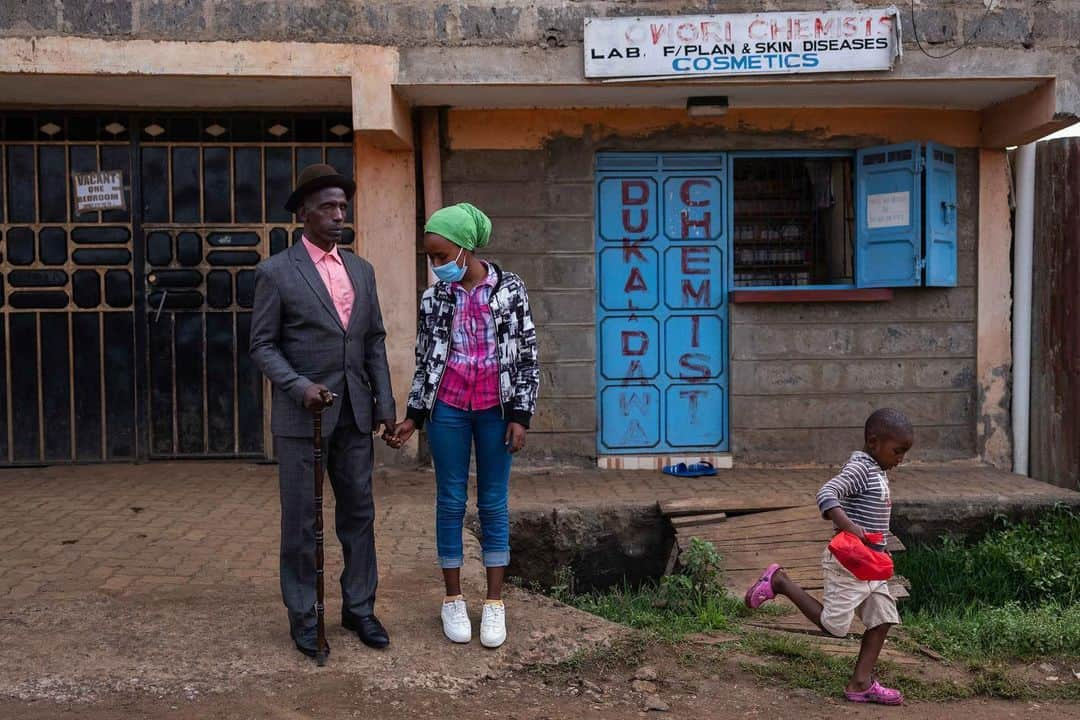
(743, 44)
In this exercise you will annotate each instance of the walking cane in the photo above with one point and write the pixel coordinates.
(320, 638)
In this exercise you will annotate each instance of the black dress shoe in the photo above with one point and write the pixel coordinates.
(307, 643)
(308, 648)
(368, 627)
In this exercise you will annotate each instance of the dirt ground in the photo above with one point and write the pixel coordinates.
(716, 691)
(151, 592)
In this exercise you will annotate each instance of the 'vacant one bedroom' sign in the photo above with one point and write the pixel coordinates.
(750, 44)
(100, 190)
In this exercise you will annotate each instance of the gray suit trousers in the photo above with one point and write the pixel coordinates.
(348, 454)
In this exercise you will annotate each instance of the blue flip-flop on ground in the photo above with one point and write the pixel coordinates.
(693, 470)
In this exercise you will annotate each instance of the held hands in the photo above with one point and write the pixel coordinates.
(400, 434)
(383, 428)
(514, 440)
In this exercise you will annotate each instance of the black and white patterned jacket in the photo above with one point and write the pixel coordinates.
(519, 367)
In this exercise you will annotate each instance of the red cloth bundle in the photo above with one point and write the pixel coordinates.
(862, 561)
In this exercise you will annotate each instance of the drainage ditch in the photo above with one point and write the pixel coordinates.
(594, 548)
(598, 548)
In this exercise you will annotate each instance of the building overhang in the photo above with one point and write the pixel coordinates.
(775, 92)
(1017, 97)
(176, 92)
(91, 73)
(1012, 110)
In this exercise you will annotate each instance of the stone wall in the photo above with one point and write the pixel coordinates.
(1012, 23)
(804, 376)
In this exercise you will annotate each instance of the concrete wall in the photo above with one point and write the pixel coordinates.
(804, 376)
(1047, 24)
(993, 353)
(540, 202)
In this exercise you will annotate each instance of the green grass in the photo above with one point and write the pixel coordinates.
(651, 608)
(690, 602)
(1026, 563)
(999, 633)
(1012, 595)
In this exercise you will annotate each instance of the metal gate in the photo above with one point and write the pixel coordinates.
(123, 333)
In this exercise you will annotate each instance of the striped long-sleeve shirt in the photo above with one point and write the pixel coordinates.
(862, 489)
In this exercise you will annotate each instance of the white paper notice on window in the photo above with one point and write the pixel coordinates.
(886, 210)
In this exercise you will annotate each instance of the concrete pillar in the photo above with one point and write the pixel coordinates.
(993, 352)
(385, 218)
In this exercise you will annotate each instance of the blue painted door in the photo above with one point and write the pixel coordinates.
(662, 361)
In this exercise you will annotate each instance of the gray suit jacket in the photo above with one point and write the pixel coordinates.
(297, 340)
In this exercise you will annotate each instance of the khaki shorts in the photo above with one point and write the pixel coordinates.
(846, 596)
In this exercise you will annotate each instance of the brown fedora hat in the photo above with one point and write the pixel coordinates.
(314, 178)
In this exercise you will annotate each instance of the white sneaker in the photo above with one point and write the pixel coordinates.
(493, 625)
(455, 621)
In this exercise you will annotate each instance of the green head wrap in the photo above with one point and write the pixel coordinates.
(463, 224)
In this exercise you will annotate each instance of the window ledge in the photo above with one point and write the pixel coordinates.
(795, 295)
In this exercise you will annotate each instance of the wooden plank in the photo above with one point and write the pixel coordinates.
(770, 549)
(771, 517)
(798, 553)
(792, 530)
(722, 541)
(684, 521)
(795, 622)
(794, 537)
(780, 522)
(720, 538)
(759, 561)
(734, 503)
(673, 558)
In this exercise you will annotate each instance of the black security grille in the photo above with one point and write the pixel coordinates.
(123, 334)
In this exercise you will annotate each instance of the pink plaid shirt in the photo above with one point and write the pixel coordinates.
(471, 379)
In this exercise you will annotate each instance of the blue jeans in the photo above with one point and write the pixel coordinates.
(451, 434)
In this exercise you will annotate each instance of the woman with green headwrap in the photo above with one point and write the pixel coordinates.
(475, 385)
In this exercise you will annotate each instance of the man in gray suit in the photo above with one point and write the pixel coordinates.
(317, 334)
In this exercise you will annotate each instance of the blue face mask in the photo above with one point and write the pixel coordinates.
(451, 271)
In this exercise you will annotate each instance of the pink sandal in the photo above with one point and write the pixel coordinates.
(876, 693)
(761, 591)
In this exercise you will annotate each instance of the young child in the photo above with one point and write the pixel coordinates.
(858, 501)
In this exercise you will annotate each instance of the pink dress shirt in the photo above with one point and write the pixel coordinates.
(471, 378)
(338, 283)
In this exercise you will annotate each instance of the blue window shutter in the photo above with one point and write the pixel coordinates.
(940, 216)
(888, 217)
